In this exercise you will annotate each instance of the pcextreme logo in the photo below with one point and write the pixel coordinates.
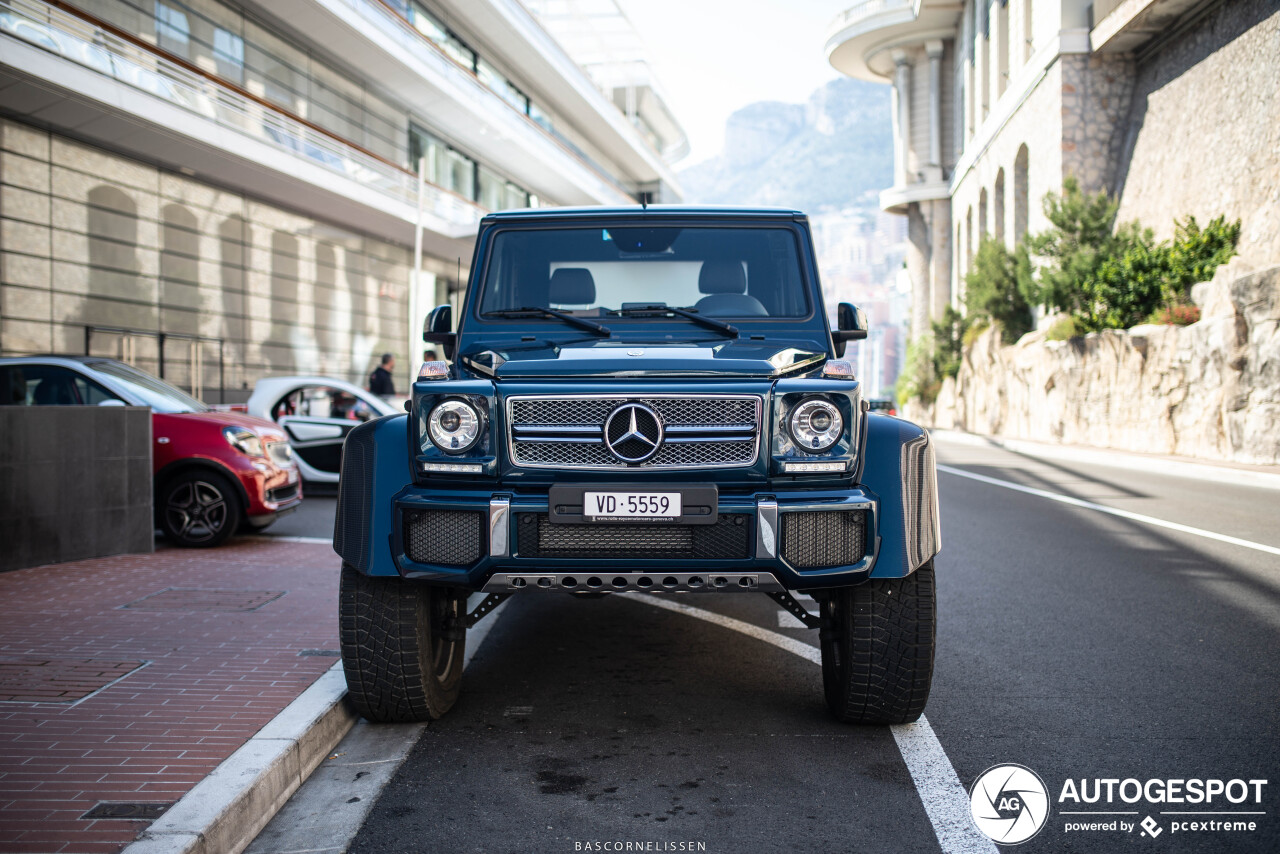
(1010, 804)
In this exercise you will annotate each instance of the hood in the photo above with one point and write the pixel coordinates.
(229, 419)
(728, 359)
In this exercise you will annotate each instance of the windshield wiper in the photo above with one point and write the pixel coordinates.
(580, 322)
(700, 319)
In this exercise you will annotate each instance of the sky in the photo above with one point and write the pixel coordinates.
(716, 56)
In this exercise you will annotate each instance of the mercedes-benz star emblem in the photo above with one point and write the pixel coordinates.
(633, 433)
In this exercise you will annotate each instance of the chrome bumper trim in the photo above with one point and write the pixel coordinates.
(499, 530)
(766, 529)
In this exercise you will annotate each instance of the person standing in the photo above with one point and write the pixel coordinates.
(380, 381)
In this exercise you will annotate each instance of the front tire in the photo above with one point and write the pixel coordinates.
(199, 509)
(878, 643)
(400, 664)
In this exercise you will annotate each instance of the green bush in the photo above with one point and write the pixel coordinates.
(919, 378)
(977, 326)
(997, 288)
(948, 343)
(1115, 278)
(1062, 330)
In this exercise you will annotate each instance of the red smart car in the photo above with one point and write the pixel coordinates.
(214, 471)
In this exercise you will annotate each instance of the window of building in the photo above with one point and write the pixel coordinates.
(1028, 37)
(515, 197)
(501, 86)
(998, 211)
(536, 113)
(228, 55)
(173, 32)
(459, 174)
(491, 189)
(431, 27)
(1020, 209)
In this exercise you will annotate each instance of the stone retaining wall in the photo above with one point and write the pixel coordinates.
(1210, 390)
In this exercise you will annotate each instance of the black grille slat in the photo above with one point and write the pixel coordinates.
(709, 431)
(812, 540)
(727, 539)
(447, 537)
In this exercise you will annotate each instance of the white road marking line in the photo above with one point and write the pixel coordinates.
(945, 800)
(1102, 508)
(787, 621)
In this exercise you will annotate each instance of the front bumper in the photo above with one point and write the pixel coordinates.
(761, 541)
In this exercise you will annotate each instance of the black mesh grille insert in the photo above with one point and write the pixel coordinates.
(822, 539)
(728, 539)
(449, 537)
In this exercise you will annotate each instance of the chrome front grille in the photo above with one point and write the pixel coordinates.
(701, 431)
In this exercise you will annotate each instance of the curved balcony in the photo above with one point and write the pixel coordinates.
(896, 199)
(861, 37)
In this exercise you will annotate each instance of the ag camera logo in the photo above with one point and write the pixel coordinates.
(1009, 803)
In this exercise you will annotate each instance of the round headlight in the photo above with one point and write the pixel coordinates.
(454, 426)
(815, 425)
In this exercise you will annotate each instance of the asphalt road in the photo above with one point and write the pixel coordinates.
(1074, 642)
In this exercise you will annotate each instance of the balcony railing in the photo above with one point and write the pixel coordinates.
(425, 50)
(867, 9)
(135, 65)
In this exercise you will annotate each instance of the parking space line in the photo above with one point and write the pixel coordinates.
(1102, 508)
(945, 801)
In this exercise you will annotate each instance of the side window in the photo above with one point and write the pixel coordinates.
(286, 406)
(91, 393)
(13, 386)
(53, 386)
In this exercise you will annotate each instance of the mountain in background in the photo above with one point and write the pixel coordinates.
(834, 151)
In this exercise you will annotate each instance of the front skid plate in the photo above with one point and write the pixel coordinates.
(652, 582)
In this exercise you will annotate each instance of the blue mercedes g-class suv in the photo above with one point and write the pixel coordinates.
(647, 401)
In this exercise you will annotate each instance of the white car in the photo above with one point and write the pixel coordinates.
(317, 413)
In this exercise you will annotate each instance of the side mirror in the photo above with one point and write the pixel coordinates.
(851, 326)
(438, 329)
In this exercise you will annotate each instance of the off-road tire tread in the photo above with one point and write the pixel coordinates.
(386, 635)
(887, 632)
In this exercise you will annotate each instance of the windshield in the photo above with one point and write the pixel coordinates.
(741, 272)
(156, 393)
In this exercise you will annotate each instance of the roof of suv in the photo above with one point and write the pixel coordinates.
(655, 211)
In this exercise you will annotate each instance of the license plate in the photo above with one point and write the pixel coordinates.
(293, 476)
(629, 506)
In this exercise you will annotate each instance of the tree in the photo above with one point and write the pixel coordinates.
(997, 288)
(948, 343)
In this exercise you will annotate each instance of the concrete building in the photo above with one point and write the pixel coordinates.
(221, 189)
(1170, 105)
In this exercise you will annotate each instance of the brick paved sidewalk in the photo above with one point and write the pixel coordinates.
(125, 680)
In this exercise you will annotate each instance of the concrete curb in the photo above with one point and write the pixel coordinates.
(225, 811)
(1172, 466)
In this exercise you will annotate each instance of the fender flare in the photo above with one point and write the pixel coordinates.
(376, 467)
(900, 469)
